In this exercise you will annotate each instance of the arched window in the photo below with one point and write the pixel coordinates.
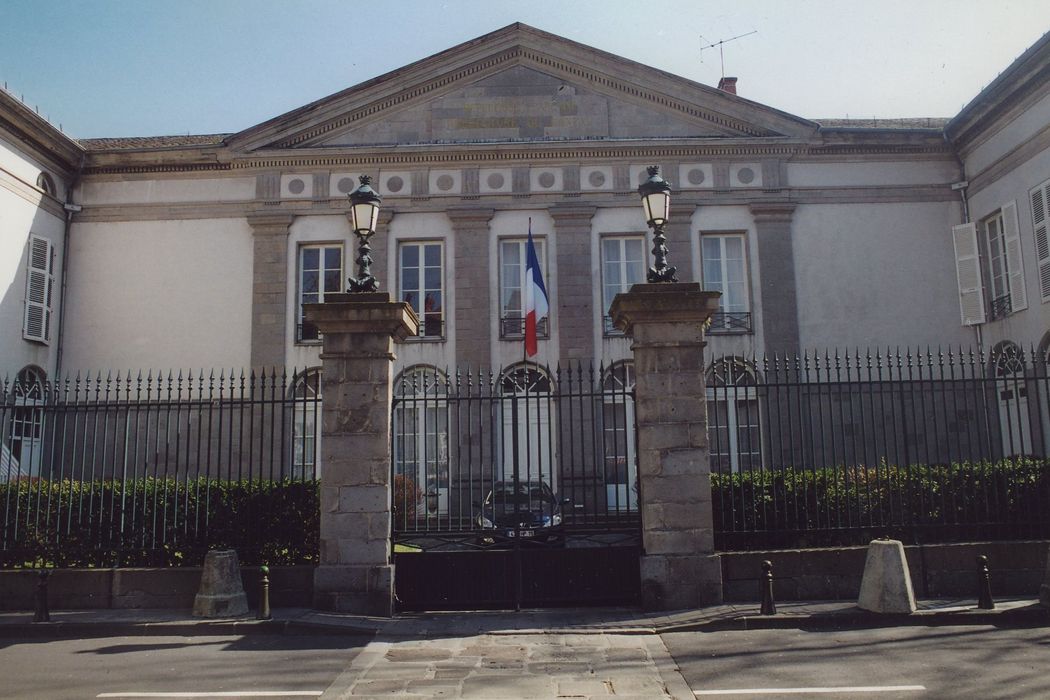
(21, 454)
(45, 182)
(527, 452)
(421, 450)
(306, 432)
(733, 421)
(1011, 387)
(618, 437)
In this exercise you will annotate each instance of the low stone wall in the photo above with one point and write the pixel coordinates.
(85, 589)
(937, 571)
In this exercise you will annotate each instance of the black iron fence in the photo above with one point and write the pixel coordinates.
(551, 451)
(930, 445)
(156, 468)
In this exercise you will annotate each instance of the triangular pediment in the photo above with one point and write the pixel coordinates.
(520, 84)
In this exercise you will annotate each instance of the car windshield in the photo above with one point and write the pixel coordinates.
(523, 494)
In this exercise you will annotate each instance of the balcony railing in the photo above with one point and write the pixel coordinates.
(729, 322)
(1000, 307)
(513, 327)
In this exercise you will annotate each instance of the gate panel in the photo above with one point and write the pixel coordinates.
(514, 489)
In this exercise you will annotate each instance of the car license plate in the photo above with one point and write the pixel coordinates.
(526, 533)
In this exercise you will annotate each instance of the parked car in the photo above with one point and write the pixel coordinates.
(523, 510)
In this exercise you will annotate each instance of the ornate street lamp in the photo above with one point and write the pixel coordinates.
(656, 200)
(364, 214)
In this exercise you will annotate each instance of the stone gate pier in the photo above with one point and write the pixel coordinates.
(665, 322)
(355, 573)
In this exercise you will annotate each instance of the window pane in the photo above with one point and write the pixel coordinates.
(433, 301)
(310, 258)
(413, 300)
(433, 278)
(511, 252)
(635, 273)
(734, 247)
(611, 250)
(309, 282)
(433, 254)
(332, 279)
(634, 249)
(712, 247)
(333, 258)
(410, 256)
(410, 279)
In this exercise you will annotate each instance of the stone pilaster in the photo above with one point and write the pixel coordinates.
(473, 300)
(776, 261)
(574, 315)
(665, 322)
(269, 287)
(355, 573)
(679, 231)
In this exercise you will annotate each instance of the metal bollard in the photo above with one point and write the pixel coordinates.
(264, 594)
(984, 585)
(768, 606)
(42, 614)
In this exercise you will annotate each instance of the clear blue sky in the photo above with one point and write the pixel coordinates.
(151, 67)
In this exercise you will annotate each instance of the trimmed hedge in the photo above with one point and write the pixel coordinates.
(157, 522)
(1004, 499)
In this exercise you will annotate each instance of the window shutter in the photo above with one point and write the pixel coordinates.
(1040, 204)
(968, 271)
(1014, 260)
(39, 284)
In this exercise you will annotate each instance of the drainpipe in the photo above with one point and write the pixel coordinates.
(70, 208)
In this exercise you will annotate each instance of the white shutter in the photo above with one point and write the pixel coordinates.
(968, 271)
(39, 282)
(1040, 204)
(1014, 259)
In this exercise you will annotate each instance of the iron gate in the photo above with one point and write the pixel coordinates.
(515, 489)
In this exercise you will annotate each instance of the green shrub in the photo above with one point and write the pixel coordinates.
(157, 522)
(921, 502)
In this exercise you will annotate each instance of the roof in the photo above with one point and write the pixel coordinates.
(137, 142)
(937, 123)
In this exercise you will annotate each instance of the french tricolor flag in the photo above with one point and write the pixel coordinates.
(536, 303)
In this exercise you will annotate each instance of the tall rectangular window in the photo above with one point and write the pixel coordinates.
(40, 283)
(995, 265)
(725, 270)
(623, 264)
(512, 255)
(320, 273)
(421, 284)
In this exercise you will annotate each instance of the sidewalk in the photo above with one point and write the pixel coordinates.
(744, 616)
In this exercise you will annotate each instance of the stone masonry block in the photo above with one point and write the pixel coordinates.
(675, 489)
(677, 409)
(671, 436)
(678, 542)
(685, 462)
(364, 551)
(364, 499)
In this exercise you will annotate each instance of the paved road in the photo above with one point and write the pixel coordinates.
(949, 662)
(84, 668)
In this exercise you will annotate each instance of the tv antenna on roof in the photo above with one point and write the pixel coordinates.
(719, 44)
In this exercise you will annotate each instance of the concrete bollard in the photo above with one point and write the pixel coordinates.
(886, 585)
(769, 606)
(221, 593)
(984, 585)
(264, 594)
(42, 612)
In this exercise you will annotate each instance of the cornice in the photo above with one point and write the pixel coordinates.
(470, 217)
(32, 195)
(35, 133)
(489, 155)
(567, 207)
(1011, 160)
(772, 212)
(274, 223)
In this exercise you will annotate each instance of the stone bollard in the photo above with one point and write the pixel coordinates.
(984, 585)
(886, 585)
(42, 612)
(769, 607)
(221, 593)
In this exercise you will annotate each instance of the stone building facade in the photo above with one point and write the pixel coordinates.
(200, 251)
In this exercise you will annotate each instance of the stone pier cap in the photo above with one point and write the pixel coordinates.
(363, 312)
(665, 302)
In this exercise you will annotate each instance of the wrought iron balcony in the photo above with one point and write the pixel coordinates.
(513, 327)
(1000, 307)
(730, 322)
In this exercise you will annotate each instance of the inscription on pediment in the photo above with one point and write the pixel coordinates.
(521, 103)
